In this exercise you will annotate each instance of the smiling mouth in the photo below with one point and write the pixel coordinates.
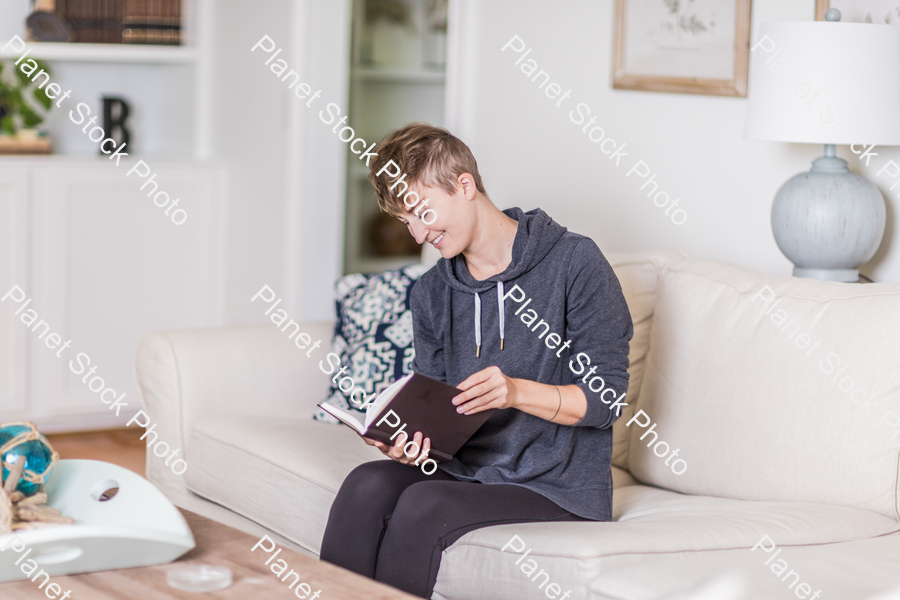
(438, 240)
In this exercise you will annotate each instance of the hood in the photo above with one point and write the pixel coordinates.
(535, 237)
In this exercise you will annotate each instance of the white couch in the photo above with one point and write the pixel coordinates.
(773, 446)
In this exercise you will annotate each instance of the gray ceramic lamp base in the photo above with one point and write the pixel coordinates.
(843, 275)
(828, 221)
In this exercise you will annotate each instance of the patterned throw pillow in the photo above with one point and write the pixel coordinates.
(373, 334)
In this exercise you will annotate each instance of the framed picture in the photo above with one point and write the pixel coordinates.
(682, 46)
(883, 12)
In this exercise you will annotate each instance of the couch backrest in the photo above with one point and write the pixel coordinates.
(772, 388)
(638, 274)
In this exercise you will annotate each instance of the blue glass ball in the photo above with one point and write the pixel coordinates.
(37, 455)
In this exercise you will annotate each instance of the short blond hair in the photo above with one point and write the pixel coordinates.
(428, 155)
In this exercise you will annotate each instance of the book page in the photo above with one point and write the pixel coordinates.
(346, 417)
(377, 407)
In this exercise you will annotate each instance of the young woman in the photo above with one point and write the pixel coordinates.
(521, 315)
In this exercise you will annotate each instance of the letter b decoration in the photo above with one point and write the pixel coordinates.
(115, 111)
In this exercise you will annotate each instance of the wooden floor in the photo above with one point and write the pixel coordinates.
(121, 447)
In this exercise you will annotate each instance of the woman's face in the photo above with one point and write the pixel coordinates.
(444, 222)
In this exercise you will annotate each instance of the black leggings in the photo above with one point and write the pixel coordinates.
(391, 522)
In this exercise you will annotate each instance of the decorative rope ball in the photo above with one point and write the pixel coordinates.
(20, 441)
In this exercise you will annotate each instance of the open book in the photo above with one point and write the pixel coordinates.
(423, 404)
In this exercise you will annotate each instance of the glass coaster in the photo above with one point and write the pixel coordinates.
(199, 578)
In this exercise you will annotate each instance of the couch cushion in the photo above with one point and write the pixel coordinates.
(280, 473)
(773, 407)
(844, 571)
(638, 274)
(649, 522)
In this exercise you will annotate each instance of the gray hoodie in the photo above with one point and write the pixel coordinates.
(573, 290)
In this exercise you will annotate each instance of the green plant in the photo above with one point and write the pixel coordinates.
(22, 103)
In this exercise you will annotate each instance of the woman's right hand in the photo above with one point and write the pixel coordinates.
(395, 452)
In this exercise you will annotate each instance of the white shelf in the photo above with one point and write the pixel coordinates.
(108, 53)
(398, 75)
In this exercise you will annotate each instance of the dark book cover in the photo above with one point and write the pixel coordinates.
(424, 404)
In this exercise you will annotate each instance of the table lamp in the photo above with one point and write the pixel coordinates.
(826, 82)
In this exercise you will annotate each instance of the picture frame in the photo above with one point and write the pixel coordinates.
(677, 46)
(882, 12)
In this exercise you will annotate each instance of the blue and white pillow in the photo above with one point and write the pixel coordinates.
(373, 334)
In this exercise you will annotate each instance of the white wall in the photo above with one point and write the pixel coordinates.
(286, 168)
(249, 131)
(315, 216)
(12, 18)
(531, 154)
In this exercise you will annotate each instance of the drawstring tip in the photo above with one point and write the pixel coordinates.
(501, 343)
(477, 351)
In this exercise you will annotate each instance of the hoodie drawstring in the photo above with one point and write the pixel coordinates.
(478, 319)
(477, 325)
(502, 312)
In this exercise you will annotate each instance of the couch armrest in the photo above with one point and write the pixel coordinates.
(186, 374)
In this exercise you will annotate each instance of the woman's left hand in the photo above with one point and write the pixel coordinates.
(488, 388)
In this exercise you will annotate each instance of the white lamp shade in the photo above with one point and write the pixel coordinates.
(825, 83)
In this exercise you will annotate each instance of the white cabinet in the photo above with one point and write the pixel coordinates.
(13, 267)
(103, 266)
